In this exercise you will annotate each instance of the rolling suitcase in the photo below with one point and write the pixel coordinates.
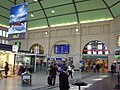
(49, 80)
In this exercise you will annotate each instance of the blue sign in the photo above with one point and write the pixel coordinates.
(61, 49)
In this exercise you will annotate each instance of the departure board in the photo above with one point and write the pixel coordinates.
(61, 49)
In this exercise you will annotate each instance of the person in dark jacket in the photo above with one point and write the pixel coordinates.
(6, 69)
(53, 73)
(63, 80)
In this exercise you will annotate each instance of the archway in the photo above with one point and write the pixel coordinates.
(95, 52)
(37, 49)
(38, 59)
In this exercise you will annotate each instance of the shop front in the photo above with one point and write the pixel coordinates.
(90, 60)
(7, 55)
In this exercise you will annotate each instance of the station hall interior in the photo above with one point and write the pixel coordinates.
(36, 33)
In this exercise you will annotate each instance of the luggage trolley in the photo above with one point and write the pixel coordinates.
(26, 80)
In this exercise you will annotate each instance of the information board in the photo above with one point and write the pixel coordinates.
(61, 49)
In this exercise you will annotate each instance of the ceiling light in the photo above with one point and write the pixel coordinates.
(31, 15)
(35, 0)
(77, 29)
(46, 32)
(53, 11)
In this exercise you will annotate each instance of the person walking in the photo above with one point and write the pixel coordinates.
(63, 80)
(6, 69)
(53, 73)
(70, 71)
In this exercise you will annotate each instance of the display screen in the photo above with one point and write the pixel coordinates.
(61, 49)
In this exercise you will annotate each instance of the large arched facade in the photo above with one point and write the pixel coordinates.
(95, 52)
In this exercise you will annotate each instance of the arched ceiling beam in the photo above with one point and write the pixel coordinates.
(44, 13)
(4, 7)
(59, 5)
(10, 1)
(115, 4)
(109, 9)
(4, 17)
(69, 14)
(76, 12)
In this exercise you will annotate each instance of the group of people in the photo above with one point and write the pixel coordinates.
(63, 76)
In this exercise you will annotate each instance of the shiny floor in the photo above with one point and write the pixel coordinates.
(95, 81)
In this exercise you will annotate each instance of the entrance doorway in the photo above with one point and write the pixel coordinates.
(95, 53)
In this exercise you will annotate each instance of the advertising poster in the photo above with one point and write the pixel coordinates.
(18, 18)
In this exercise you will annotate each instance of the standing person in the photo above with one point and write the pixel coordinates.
(94, 67)
(72, 67)
(112, 68)
(53, 73)
(63, 80)
(70, 71)
(98, 67)
(6, 69)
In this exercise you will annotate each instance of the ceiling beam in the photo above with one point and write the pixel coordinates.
(10, 1)
(76, 12)
(59, 5)
(115, 4)
(68, 14)
(4, 7)
(109, 9)
(4, 17)
(44, 13)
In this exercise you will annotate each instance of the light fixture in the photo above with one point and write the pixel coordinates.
(77, 29)
(46, 32)
(53, 10)
(35, 0)
(32, 15)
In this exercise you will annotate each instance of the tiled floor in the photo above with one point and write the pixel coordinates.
(39, 82)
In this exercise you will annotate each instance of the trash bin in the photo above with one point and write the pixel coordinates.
(79, 83)
(26, 79)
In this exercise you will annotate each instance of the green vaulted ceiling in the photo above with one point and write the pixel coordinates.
(66, 11)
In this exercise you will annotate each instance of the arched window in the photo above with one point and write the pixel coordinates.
(95, 47)
(37, 49)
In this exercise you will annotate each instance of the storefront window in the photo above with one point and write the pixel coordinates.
(4, 33)
(3, 41)
(95, 47)
(0, 32)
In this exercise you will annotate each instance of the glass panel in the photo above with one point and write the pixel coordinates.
(100, 46)
(4, 33)
(6, 42)
(106, 52)
(94, 52)
(3, 41)
(89, 47)
(89, 52)
(0, 32)
(100, 52)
